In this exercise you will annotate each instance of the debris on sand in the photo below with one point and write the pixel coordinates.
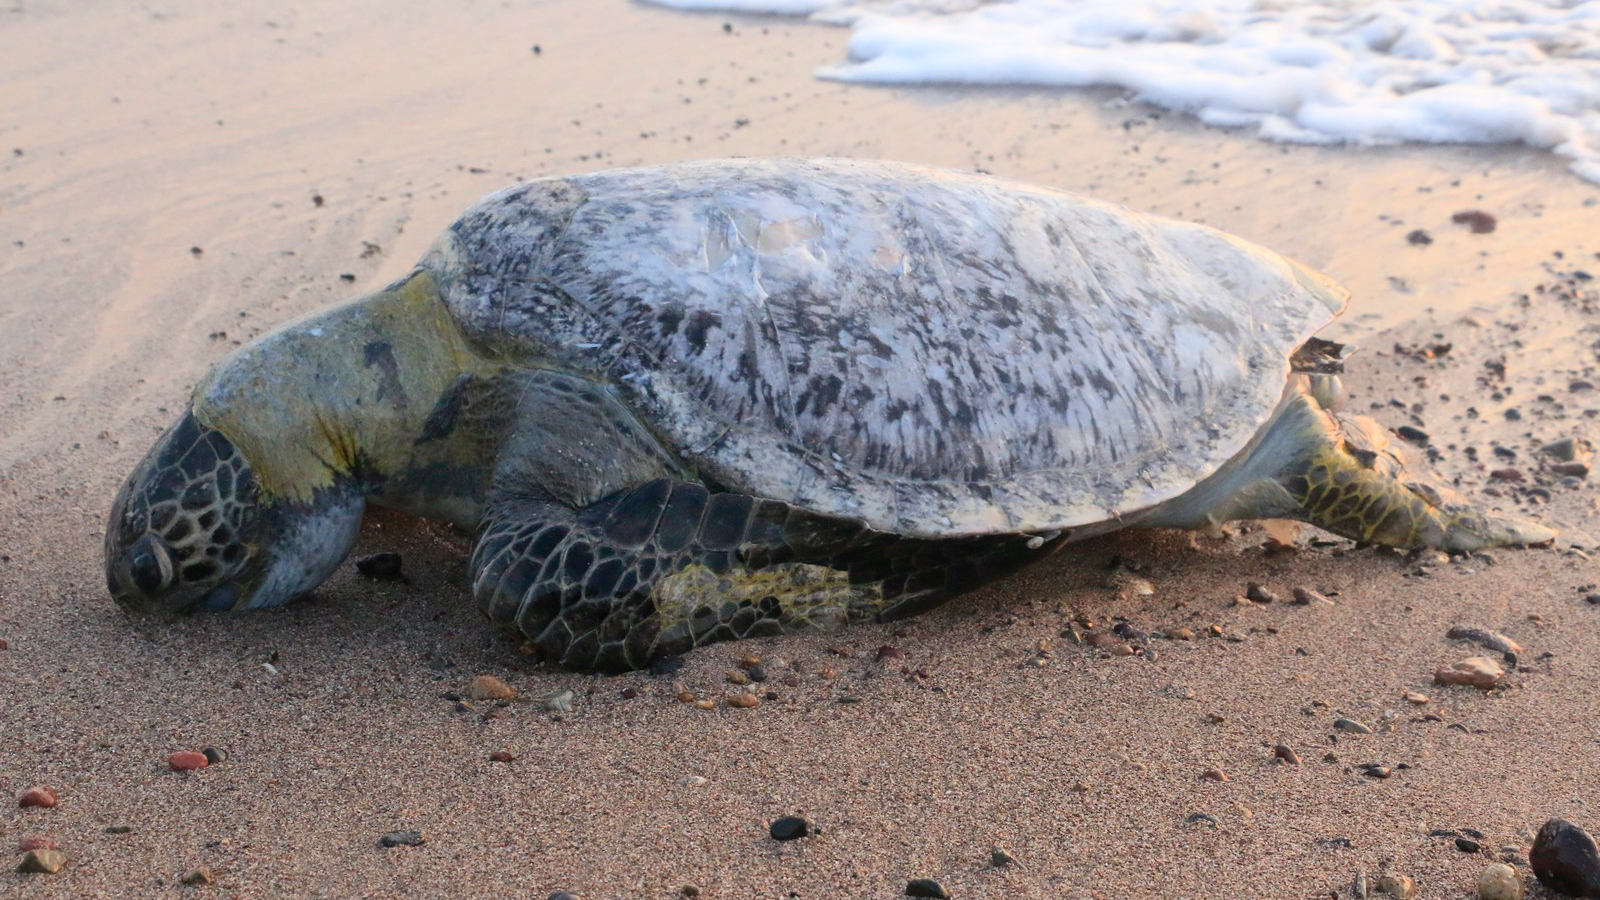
(1476, 219)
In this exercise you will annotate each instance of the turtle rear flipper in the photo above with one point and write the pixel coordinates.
(669, 565)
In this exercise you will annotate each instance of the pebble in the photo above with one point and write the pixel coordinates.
(1287, 754)
(119, 829)
(705, 704)
(1468, 845)
(563, 895)
(488, 687)
(1351, 726)
(1180, 633)
(1490, 640)
(1214, 774)
(999, 857)
(1416, 698)
(748, 660)
(686, 696)
(1401, 887)
(1196, 818)
(1374, 770)
(630, 693)
(198, 877)
(187, 761)
(1255, 593)
(926, 887)
(744, 701)
(402, 839)
(888, 652)
(1304, 596)
(35, 843)
(381, 567)
(691, 781)
(557, 701)
(42, 862)
(1565, 858)
(1419, 237)
(789, 828)
(1478, 671)
(214, 755)
(1477, 220)
(502, 756)
(42, 797)
(1499, 882)
(757, 674)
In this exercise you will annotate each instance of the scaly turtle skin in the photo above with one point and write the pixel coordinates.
(733, 398)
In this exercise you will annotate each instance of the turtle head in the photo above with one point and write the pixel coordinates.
(191, 530)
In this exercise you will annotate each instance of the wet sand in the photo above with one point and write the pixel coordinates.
(293, 147)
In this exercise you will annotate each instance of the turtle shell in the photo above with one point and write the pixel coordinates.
(932, 352)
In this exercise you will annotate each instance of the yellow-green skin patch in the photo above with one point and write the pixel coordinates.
(809, 596)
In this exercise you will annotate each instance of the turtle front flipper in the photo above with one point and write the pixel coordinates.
(1350, 479)
(669, 565)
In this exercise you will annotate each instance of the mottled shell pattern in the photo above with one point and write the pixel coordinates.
(933, 352)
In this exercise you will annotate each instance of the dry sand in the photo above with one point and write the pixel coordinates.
(142, 131)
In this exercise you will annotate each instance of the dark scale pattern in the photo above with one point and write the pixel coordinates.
(932, 353)
(587, 589)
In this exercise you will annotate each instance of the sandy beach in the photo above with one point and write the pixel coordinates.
(178, 178)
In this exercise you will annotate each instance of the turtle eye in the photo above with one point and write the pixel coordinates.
(145, 566)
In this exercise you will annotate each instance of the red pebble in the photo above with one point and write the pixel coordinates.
(502, 756)
(42, 797)
(4, 645)
(187, 761)
(35, 843)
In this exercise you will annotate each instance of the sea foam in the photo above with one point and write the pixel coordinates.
(1352, 71)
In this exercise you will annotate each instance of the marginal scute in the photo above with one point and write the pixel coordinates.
(930, 353)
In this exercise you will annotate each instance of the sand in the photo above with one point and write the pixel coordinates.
(140, 134)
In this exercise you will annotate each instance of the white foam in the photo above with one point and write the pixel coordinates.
(1354, 71)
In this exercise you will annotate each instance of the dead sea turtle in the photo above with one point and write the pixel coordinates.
(732, 398)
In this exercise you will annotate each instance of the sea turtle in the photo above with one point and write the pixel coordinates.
(730, 398)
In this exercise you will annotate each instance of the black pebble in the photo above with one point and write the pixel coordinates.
(563, 895)
(1467, 845)
(1420, 237)
(1255, 593)
(1412, 434)
(790, 827)
(381, 566)
(1566, 859)
(214, 756)
(756, 673)
(926, 887)
(402, 839)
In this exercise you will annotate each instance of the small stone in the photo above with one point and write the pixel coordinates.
(1179, 633)
(1350, 726)
(1477, 220)
(1214, 774)
(998, 857)
(198, 877)
(504, 756)
(1255, 593)
(119, 829)
(744, 701)
(41, 797)
(705, 704)
(42, 862)
(686, 696)
(1499, 882)
(691, 781)
(1200, 818)
(35, 843)
(1416, 698)
(1566, 859)
(381, 566)
(1287, 754)
(630, 693)
(1307, 597)
(1477, 671)
(757, 674)
(887, 652)
(789, 828)
(1468, 845)
(926, 887)
(1419, 237)
(1508, 475)
(561, 895)
(488, 687)
(214, 756)
(558, 701)
(1374, 770)
(1489, 640)
(402, 839)
(1358, 887)
(1401, 887)
(1574, 469)
(689, 890)
(748, 660)
(738, 677)
(187, 761)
